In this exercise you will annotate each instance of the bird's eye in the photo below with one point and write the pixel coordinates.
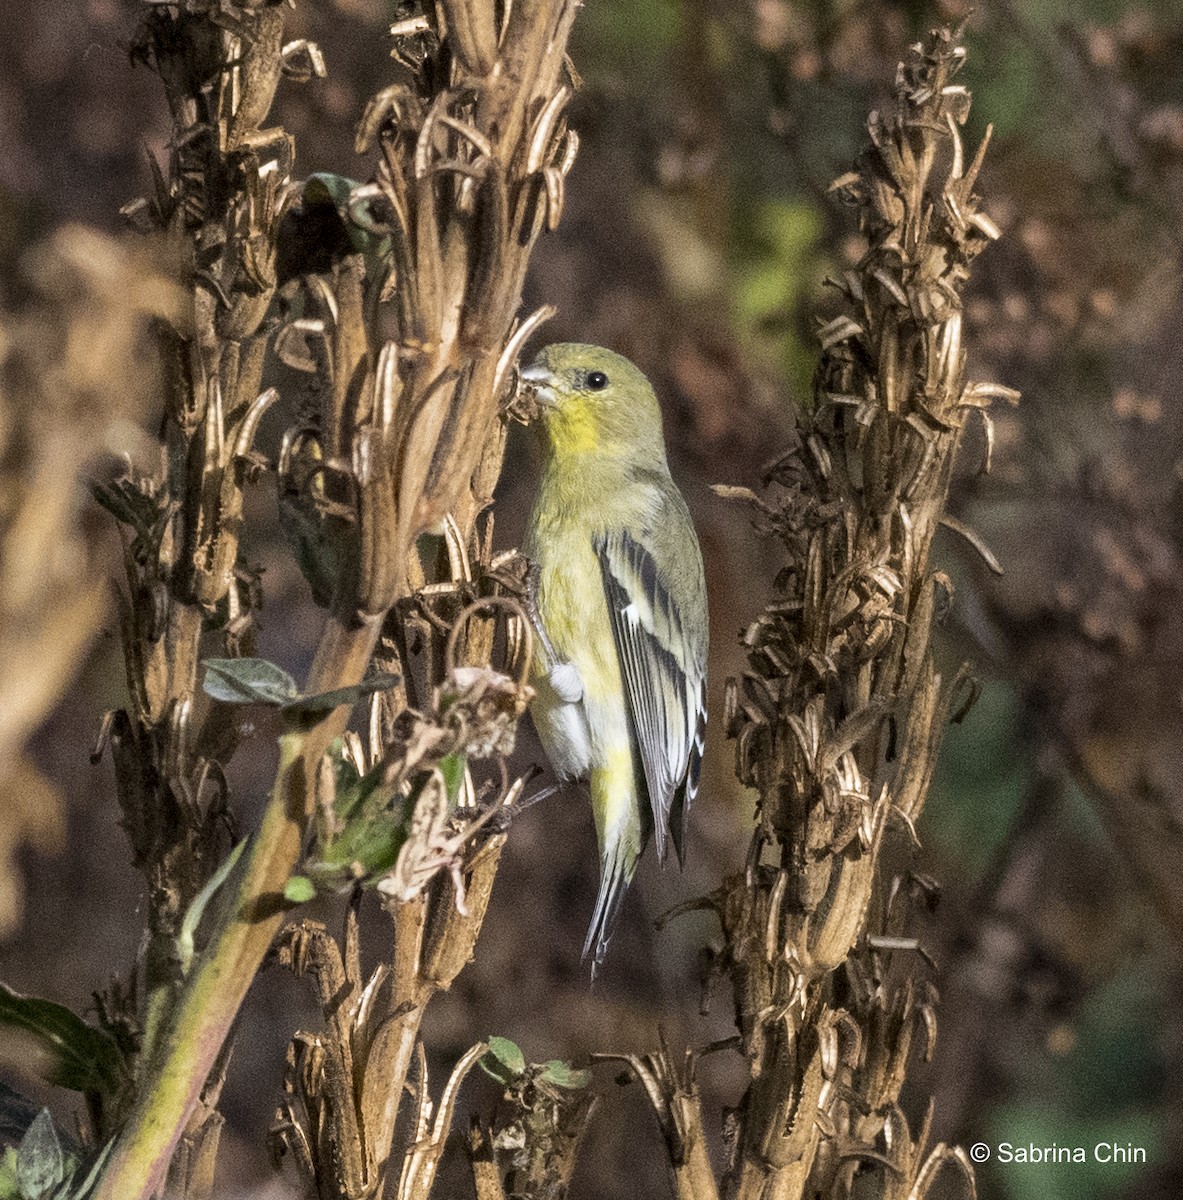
(597, 381)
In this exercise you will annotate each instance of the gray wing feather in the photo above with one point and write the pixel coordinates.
(664, 680)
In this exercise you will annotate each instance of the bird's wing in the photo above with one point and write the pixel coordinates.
(664, 671)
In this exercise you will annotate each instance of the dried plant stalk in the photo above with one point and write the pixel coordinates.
(406, 436)
(672, 1090)
(839, 716)
(473, 158)
(217, 202)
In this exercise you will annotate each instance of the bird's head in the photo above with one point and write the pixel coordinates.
(590, 400)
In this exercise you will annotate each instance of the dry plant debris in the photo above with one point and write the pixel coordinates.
(839, 716)
(406, 324)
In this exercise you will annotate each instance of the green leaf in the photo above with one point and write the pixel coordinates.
(249, 681)
(9, 1187)
(299, 889)
(452, 769)
(326, 188)
(503, 1060)
(79, 1056)
(16, 1115)
(318, 553)
(40, 1162)
(563, 1075)
(196, 910)
(344, 768)
(366, 848)
(352, 790)
(324, 702)
(257, 681)
(368, 831)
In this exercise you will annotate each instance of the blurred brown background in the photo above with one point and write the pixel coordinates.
(696, 238)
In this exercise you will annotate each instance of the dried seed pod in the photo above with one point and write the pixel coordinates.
(859, 710)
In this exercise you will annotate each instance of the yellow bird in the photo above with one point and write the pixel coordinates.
(620, 601)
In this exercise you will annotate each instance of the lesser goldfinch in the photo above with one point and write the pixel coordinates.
(620, 601)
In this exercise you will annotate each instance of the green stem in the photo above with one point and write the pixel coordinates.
(222, 973)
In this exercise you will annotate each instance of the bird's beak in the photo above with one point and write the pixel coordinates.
(541, 381)
(535, 392)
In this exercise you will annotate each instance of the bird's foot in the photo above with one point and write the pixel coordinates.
(533, 583)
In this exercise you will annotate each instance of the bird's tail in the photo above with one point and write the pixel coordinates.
(618, 862)
(622, 830)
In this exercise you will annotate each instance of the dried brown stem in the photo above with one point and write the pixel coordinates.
(473, 157)
(344, 1086)
(839, 715)
(470, 173)
(672, 1091)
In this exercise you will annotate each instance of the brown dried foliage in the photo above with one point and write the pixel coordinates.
(474, 151)
(410, 352)
(408, 333)
(839, 716)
